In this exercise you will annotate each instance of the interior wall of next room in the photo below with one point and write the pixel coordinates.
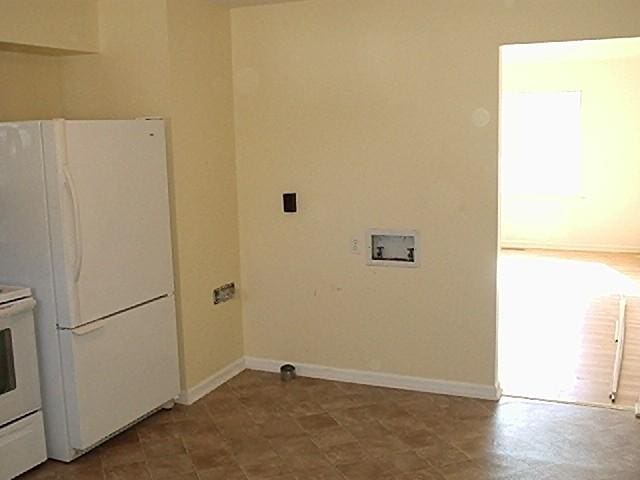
(603, 213)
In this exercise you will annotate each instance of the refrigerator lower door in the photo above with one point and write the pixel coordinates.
(119, 369)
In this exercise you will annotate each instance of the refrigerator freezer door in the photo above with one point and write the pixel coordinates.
(119, 369)
(116, 215)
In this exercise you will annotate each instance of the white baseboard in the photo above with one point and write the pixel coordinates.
(390, 380)
(577, 247)
(194, 394)
(418, 384)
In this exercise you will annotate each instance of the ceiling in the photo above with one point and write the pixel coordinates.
(568, 51)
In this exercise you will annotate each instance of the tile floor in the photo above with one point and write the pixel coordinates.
(256, 427)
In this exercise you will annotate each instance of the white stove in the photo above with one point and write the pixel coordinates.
(9, 294)
(22, 443)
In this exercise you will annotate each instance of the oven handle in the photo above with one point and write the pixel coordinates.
(16, 308)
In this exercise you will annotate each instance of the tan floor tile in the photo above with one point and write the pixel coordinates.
(367, 430)
(286, 446)
(208, 441)
(42, 472)
(332, 436)
(468, 470)
(224, 407)
(162, 416)
(129, 436)
(203, 460)
(85, 475)
(238, 425)
(286, 476)
(91, 462)
(402, 462)
(134, 471)
(345, 453)
(299, 408)
(441, 453)
(323, 473)
(318, 421)
(250, 453)
(223, 472)
(305, 461)
(280, 427)
(257, 427)
(266, 468)
(355, 415)
(368, 468)
(383, 445)
(169, 467)
(420, 475)
(121, 455)
(191, 426)
(152, 432)
(266, 412)
(163, 447)
(418, 438)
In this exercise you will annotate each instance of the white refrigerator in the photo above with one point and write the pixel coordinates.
(84, 222)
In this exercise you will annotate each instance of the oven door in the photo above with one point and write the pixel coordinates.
(19, 382)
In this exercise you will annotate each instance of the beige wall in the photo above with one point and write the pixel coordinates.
(204, 182)
(172, 59)
(604, 214)
(370, 110)
(30, 87)
(52, 24)
(367, 110)
(31, 84)
(130, 76)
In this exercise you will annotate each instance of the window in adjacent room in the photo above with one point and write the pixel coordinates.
(541, 143)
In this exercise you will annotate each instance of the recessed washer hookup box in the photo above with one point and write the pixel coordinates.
(393, 248)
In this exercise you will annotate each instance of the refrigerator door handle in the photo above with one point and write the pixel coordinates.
(92, 327)
(77, 264)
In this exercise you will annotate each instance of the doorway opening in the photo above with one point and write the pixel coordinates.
(569, 260)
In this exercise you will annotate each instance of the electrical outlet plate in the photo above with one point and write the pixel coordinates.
(224, 293)
(355, 245)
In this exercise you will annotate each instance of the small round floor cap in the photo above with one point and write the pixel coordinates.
(287, 372)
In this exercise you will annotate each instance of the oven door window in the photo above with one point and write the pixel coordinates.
(7, 367)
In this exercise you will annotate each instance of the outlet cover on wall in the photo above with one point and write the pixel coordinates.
(224, 293)
(355, 246)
